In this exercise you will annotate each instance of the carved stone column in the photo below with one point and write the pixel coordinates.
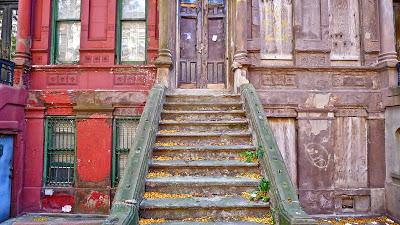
(386, 24)
(240, 60)
(24, 39)
(164, 58)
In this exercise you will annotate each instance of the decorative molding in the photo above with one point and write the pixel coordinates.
(62, 79)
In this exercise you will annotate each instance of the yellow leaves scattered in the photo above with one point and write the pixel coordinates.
(151, 221)
(163, 158)
(255, 176)
(201, 219)
(167, 144)
(168, 131)
(350, 220)
(265, 220)
(157, 195)
(168, 158)
(158, 174)
(219, 143)
(246, 195)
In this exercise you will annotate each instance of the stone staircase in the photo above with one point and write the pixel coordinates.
(197, 174)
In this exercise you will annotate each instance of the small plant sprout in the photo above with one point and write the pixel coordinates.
(260, 152)
(249, 156)
(262, 193)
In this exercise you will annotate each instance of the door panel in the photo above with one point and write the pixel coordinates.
(188, 42)
(202, 43)
(6, 154)
(216, 43)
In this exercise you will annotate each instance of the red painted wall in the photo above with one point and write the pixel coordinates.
(65, 89)
(12, 122)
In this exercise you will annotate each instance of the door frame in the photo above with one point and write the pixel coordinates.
(228, 37)
(13, 138)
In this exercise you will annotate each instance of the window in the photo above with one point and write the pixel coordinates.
(60, 146)
(131, 31)
(8, 29)
(124, 131)
(66, 31)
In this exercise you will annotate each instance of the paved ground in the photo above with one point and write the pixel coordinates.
(62, 219)
(52, 219)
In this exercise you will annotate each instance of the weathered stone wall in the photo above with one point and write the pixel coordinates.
(392, 147)
(323, 95)
(329, 126)
(313, 32)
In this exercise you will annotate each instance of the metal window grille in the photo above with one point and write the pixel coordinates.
(398, 73)
(60, 151)
(7, 72)
(123, 135)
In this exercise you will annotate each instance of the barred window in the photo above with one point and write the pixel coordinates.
(123, 134)
(66, 31)
(131, 45)
(60, 146)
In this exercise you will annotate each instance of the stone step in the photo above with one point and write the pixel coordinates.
(204, 126)
(208, 223)
(216, 208)
(202, 98)
(202, 186)
(184, 115)
(203, 138)
(209, 152)
(203, 167)
(203, 106)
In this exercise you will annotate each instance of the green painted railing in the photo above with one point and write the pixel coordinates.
(125, 208)
(286, 204)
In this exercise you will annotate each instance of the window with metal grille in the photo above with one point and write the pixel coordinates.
(131, 31)
(124, 131)
(66, 33)
(60, 146)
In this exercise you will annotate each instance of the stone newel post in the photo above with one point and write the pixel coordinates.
(164, 58)
(240, 60)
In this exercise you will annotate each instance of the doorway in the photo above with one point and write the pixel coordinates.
(202, 44)
(6, 158)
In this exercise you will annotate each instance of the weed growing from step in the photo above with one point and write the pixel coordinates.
(260, 152)
(248, 156)
(262, 192)
(251, 156)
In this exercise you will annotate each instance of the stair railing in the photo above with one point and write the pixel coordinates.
(125, 207)
(287, 209)
(7, 72)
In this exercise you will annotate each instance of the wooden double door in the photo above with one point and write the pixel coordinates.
(202, 44)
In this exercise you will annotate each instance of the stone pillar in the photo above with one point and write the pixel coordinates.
(241, 32)
(387, 42)
(164, 58)
(240, 60)
(24, 40)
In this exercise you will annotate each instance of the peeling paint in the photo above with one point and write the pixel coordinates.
(317, 126)
(319, 101)
(96, 200)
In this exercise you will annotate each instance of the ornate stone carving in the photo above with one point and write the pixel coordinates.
(62, 79)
